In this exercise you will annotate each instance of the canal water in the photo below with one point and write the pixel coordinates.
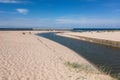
(101, 56)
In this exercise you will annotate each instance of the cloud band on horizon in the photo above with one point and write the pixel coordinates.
(39, 22)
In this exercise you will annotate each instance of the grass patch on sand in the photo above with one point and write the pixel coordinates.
(79, 67)
(90, 69)
(118, 78)
(105, 69)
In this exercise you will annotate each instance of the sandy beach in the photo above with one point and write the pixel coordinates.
(25, 56)
(105, 35)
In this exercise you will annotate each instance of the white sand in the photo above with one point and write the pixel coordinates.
(29, 57)
(113, 36)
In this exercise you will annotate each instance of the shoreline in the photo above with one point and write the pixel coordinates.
(95, 37)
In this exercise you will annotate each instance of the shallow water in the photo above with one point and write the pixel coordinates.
(97, 54)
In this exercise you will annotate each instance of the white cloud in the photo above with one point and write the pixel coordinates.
(87, 21)
(26, 22)
(58, 23)
(10, 1)
(13, 1)
(22, 11)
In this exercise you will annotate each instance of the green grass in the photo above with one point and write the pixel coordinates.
(117, 76)
(105, 69)
(79, 67)
(89, 68)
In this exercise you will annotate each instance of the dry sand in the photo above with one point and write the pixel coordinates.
(113, 36)
(29, 57)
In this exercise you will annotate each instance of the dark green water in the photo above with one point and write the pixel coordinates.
(97, 54)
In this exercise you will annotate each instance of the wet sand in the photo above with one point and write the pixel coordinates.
(25, 56)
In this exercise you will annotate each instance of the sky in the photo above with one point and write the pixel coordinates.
(60, 13)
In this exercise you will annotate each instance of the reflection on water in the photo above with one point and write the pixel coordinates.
(97, 54)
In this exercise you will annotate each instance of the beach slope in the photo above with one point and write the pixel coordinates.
(25, 56)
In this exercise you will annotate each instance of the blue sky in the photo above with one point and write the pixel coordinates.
(60, 13)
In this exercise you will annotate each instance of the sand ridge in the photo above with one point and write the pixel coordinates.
(105, 35)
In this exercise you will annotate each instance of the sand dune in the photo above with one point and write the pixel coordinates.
(25, 56)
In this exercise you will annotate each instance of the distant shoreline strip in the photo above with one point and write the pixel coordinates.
(99, 41)
(61, 29)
